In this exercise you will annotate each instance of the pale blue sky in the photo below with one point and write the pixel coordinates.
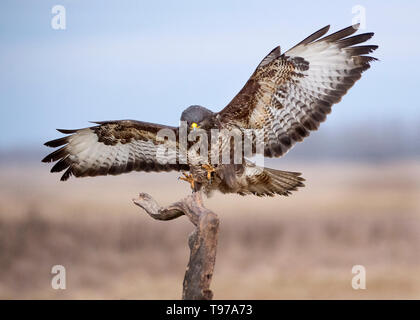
(150, 60)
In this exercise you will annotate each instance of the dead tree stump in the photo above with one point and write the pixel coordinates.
(202, 241)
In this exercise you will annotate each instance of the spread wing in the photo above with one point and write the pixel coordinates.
(290, 94)
(111, 147)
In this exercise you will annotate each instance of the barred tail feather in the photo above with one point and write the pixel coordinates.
(284, 182)
(269, 182)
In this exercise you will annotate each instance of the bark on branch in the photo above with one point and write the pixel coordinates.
(202, 241)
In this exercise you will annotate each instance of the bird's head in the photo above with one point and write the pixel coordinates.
(197, 117)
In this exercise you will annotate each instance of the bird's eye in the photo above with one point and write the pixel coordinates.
(194, 125)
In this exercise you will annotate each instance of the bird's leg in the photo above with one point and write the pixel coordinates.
(209, 168)
(189, 178)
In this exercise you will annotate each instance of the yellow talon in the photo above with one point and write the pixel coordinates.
(209, 168)
(189, 178)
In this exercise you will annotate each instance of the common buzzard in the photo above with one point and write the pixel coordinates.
(286, 98)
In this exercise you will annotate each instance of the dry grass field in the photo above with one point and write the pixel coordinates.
(303, 246)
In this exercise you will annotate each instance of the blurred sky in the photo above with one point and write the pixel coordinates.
(149, 60)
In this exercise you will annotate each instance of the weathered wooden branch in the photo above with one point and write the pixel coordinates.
(202, 241)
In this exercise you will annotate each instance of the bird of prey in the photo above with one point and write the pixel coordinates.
(286, 97)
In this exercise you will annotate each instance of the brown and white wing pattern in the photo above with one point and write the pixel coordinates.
(268, 182)
(111, 147)
(290, 94)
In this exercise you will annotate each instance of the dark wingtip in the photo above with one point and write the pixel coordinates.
(61, 165)
(325, 29)
(56, 155)
(314, 36)
(67, 131)
(66, 175)
(56, 143)
(46, 159)
(101, 122)
(368, 35)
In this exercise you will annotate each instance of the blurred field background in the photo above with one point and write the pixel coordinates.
(149, 61)
(303, 246)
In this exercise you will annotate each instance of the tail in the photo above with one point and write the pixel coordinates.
(269, 182)
(285, 180)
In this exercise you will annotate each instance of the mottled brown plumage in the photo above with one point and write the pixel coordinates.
(287, 96)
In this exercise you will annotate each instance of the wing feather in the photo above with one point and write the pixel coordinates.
(110, 147)
(289, 95)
